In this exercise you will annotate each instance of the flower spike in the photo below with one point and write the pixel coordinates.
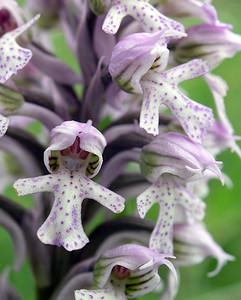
(13, 57)
(74, 157)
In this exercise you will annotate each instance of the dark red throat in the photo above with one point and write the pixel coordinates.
(75, 151)
(120, 272)
(7, 21)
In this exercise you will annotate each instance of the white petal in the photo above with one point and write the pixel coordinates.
(12, 56)
(105, 294)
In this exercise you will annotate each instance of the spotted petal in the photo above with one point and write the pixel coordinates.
(4, 122)
(162, 89)
(167, 192)
(152, 20)
(63, 226)
(106, 294)
(13, 57)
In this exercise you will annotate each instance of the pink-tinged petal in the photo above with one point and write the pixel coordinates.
(90, 140)
(222, 131)
(13, 57)
(194, 206)
(176, 154)
(133, 267)
(168, 192)
(190, 8)
(113, 19)
(211, 42)
(193, 243)
(106, 294)
(172, 286)
(4, 122)
(135, 55)
(147, 16)
(104, 196)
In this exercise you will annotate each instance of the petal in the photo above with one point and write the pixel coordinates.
(161, 237)
(194, 117)
(4, 122)
(149, 117)
(106, 294)
(113, 19)
(219, 89)
(12, 56)
(147, 199)
(193, 205)
(151, 21)
(35, 185)
(141, 283)
(63, 226)
(193, 243)
(187, 71)
(104, 196)
(172, 286)
(191, 8)
(64, 135)
(134, 56)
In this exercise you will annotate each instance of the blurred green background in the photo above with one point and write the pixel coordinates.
(223, 217)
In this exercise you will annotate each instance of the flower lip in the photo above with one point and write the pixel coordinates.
(75, 140)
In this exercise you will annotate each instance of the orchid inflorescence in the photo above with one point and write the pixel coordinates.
(133, 56)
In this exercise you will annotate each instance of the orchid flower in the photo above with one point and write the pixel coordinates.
(211, 42)
(161, 88)
(128, 271)
(73, 157)
(13, 57)
(142, 11)
(193, 243)
(221, 135)
(201, 9)
(169, 162)
(137, 64)
(136, 54)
